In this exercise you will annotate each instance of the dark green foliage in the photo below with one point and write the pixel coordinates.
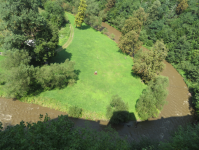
(117, 111)
(195, 94)
(186, 138)
(153, 98)
(56, 13)
(56, 75)
(180, 51)
(154, 28)
(22, 19)
(144, 144)
(75, 111)
(59, 134)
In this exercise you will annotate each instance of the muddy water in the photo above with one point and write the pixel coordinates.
(177, 112)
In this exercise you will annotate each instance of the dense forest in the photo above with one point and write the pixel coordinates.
(171, 27)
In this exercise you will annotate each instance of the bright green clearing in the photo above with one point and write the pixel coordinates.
(92, 51)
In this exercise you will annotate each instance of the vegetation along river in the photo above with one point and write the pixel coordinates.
(177, 112)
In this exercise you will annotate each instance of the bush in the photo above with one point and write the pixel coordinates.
(74, 111)
(117, 111)
(104, 31)
(112, 36)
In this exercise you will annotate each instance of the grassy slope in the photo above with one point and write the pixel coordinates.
(91, 52)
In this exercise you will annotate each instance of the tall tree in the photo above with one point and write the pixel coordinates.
(22, 19)
(150, 63)
(132, 24)
(130, 43)
(79, 18)
(153, 98)
(141, 15)
(181, 6)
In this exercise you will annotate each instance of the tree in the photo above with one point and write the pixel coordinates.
(19, 80)
(56, 13)
(102, 15)
(79, 18)
(153, 98)
(92, 9)
(132, 24)
(14, 58)
(129, 43)
(109, 5)
(181, 6)
(141, 15)
(153, 12)
(117, 111)
(180, 50)
(149, 64)
(22, 19)
(56, 75)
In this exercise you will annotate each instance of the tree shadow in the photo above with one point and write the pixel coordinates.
(120, 51)
(135, 75)
(61, 56)
(84, 27)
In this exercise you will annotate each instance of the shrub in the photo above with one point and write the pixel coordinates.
(112, 36)
(104, 31)
(117, 111)
(74, 111)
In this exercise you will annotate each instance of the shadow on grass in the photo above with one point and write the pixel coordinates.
(120, 51)
(84, 27)
(61, 56)
(134, 75)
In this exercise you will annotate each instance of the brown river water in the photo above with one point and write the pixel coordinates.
(177, 112)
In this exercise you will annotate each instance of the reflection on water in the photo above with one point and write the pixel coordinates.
(177, 112)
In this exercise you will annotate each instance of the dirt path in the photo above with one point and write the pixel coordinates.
(70, 39)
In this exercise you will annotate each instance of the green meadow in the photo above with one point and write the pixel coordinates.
(92, 51)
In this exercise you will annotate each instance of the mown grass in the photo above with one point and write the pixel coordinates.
(92, 51)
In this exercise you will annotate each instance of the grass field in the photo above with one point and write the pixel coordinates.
(92, 51)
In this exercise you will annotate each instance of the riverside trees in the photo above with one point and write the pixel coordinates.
(153, 98)
(150, 63)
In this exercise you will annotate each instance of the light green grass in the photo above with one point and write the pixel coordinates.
(92, 51)
(64, 34)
